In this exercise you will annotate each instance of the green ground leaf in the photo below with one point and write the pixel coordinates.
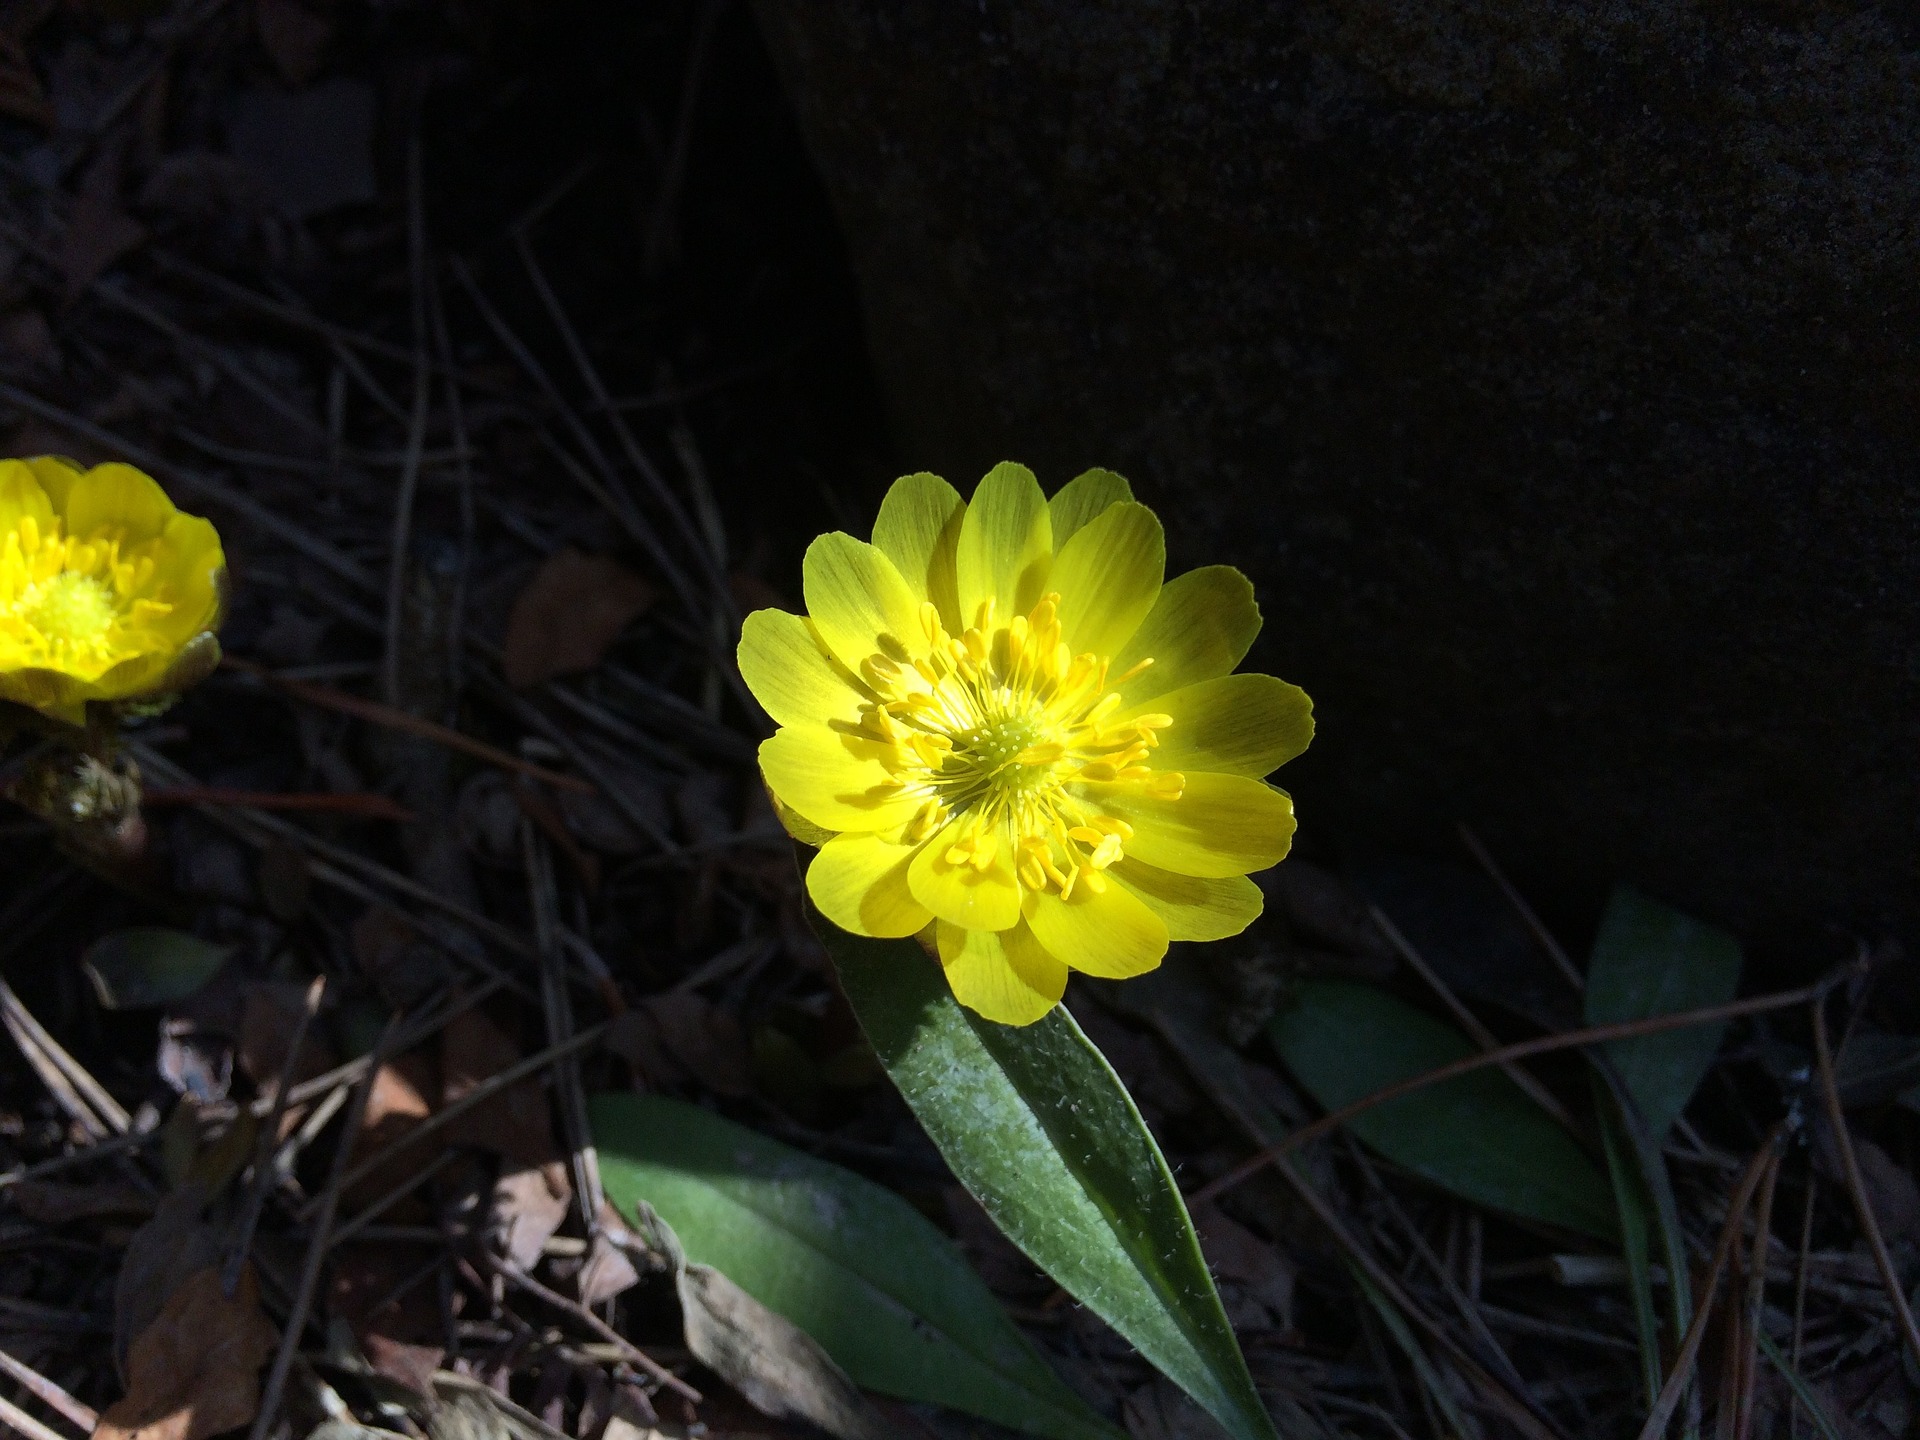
(145, 966)
(888, 1296)
(1036, 1125)
(1477, 1136)
(1649, 959)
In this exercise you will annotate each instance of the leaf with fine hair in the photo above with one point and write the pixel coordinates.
(1036, 1125)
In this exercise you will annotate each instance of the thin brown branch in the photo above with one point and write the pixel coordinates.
(365, 805)
(388, 716)
(1562, 961)
(1856, 1187)
(327, 1205)
(1765, 1159)
(628, 1350)
(1470, 1022)
(480, 1093)
(1506, 1054)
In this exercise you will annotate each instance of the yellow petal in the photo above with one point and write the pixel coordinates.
(51, 693)
(1082, 498)
(1221, 824)
(1006, 541)
(189, 575)
(1111, 934)
(835, 780)
(118, 497)
(790, 673)
(141, 675)
(1192, 907)
(1108, 577)
(1236, 724)
(986, 899)
(918, 528)
(855, 595)
(1005, 977)
(21, 493)
(56, 477)
(860, 884)
(1200, 627)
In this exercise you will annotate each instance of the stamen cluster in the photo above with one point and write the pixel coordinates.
(1004, 729)
(64, 599)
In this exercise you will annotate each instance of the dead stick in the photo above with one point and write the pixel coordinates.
(1528, 917)
(1749, 1358)
(264, 1168)
(1469, 1021)
(1856, 1188)
(316, 1250)
(580, 1312)
(375, 713)
(82, 1415)
(1764, 1159)
(1521, 1050)
(15, 1418)
(480, 1093)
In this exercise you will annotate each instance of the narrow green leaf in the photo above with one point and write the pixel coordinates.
(1649, 959)
(145, 966)
(1036, 1125)
(1641, 1169)
(1632, 1206)
(1477, 1136)
(889, 1297)
(1802, 1391)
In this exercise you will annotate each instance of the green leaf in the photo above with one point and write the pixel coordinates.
(1477, 1135)
(888, 1296)
(1649, 960)
(1036, 1125)
(146, 966)
(1633, 1207)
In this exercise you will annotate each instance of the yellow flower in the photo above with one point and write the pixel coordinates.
(107, 592)
(1002, 725)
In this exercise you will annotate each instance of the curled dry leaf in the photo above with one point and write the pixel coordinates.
(570, 612)
(195, 1370)
(780, 1368)
(529, 1207)
(162, 1255)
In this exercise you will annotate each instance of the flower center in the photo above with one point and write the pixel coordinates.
(1008, 733)
(68, 608)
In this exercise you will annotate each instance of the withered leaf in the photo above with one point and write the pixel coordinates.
(570, 612)
(195, 1370)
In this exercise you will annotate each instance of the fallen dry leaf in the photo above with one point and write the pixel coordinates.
(295, 37)
(529, 1207)
(516, 1124)
(669, 1037)
(160, 1257)
(21, 94)
(269, 1019)
(99, 232)
(777, 1366)
(573, 608)
(1248, 1263)
(195, 1370)
(400, 1098)
(310, 149)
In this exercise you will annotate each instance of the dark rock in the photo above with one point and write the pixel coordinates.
(1550, 367)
